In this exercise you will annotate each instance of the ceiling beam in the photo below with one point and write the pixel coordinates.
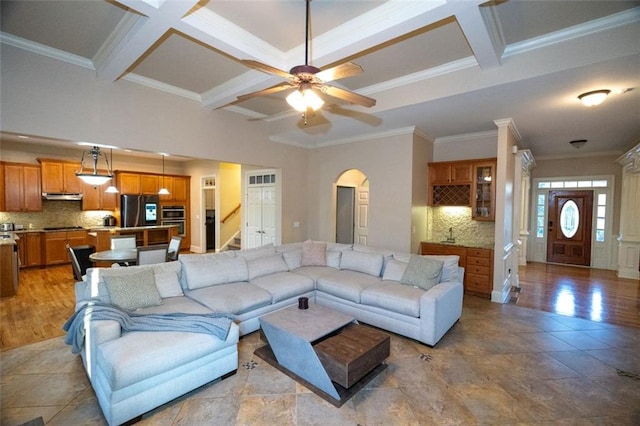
(142, 35)
(482, 31)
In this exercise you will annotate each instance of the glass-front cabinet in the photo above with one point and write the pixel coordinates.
(483, 191)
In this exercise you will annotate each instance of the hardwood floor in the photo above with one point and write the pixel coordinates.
(46, 299)
(594, 294)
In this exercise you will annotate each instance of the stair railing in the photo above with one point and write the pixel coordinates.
(231, 213)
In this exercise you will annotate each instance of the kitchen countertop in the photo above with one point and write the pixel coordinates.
(463, 243)
(11, 240)
(131, 228)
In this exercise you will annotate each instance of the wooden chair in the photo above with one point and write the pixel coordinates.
(148, 255)
(174, 248)
(123, 242)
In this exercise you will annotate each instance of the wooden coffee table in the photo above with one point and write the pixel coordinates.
(325, 350)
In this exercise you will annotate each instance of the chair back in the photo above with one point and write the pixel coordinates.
(75, 265)
(123, 242)
(174, 248)
(152, 254)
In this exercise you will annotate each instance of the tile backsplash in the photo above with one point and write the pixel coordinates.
(56, 213)
(440, 219)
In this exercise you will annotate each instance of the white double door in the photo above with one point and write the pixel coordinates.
(261, 216)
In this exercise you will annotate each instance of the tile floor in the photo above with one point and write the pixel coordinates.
(500, 364)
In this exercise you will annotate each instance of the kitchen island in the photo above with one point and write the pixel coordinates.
(100, 237)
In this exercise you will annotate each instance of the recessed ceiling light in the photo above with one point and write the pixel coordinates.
(594, 98)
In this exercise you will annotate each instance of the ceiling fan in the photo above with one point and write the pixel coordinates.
(307, 80)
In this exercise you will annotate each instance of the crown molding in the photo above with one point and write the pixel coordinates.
(50, 52)
(619, 19)
(466, 137)
(511, 125)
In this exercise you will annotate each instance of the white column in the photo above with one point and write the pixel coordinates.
(629, 238)
(525, 162)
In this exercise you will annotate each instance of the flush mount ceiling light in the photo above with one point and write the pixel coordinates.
(96, 177)
(578, 143)
(594, 98)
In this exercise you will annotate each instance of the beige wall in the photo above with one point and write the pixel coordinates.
(49, 98)
(422, 155)
(387, 163)
(230, 196)
(466, 147)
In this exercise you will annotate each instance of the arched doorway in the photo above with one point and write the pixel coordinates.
(352, 207)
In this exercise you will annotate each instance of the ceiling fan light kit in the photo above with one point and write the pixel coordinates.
(303, 99)
(594, 98)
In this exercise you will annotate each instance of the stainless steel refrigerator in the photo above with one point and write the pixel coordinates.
(139, 210)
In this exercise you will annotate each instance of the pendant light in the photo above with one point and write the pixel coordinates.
(163, 190)
(112, 189)
(94, 178)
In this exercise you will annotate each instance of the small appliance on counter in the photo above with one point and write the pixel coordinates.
(7, 226)
(109, 220)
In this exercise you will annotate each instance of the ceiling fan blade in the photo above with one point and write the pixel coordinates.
(273, 89)
(348, 96)
(266, 68)
(340, 71)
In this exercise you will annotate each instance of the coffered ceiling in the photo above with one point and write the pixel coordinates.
(447, 67)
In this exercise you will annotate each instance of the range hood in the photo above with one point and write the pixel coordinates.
(61, 197)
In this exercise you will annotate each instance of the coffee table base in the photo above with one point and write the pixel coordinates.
(266, 354)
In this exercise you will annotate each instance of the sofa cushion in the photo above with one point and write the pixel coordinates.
(232, 298)
(139, 355)
(257, 252)
(449, 268)
(181, 304)
(422, 272)
(314, 254)
(293, 258)
(313, 272)
(284, 285)
(266, 265)
(368, 263)
(346, 284)
(393, 296)
(133, 291)
(394, 270)
(207, 272)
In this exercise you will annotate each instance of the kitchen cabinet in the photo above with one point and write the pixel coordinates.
(149, 184)
(483, 200)
(55, 245)
(8, 270)
(128, 183)
(178, 187)
(95, 198)
(22, 188)
(59, 177)
(29, 249)
(450, 173)
(477, 264)
(2, 206)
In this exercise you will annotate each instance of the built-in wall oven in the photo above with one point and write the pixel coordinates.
(175, 215)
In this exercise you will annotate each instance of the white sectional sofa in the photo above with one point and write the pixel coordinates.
(134, 372)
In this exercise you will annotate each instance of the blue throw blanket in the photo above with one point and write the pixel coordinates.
(215, 324)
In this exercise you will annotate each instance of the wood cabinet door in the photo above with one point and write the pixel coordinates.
(32, 189)
(129, 183)
(76, 238)
(91, 197)
(52, 176)
(149, 184)
(180, 188)
(13, 184)
(461, 173)
(71, 183)
(55, 247)
(439, 174)
(33, 248)
(109, 200)
(2, 205)
(483, 191)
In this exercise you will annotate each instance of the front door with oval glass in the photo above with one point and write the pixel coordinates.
(569, 227)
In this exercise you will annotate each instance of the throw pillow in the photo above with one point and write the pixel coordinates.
(133, 291)
(293, 258)
(422, 272)
(314, 254)
(394, 270)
